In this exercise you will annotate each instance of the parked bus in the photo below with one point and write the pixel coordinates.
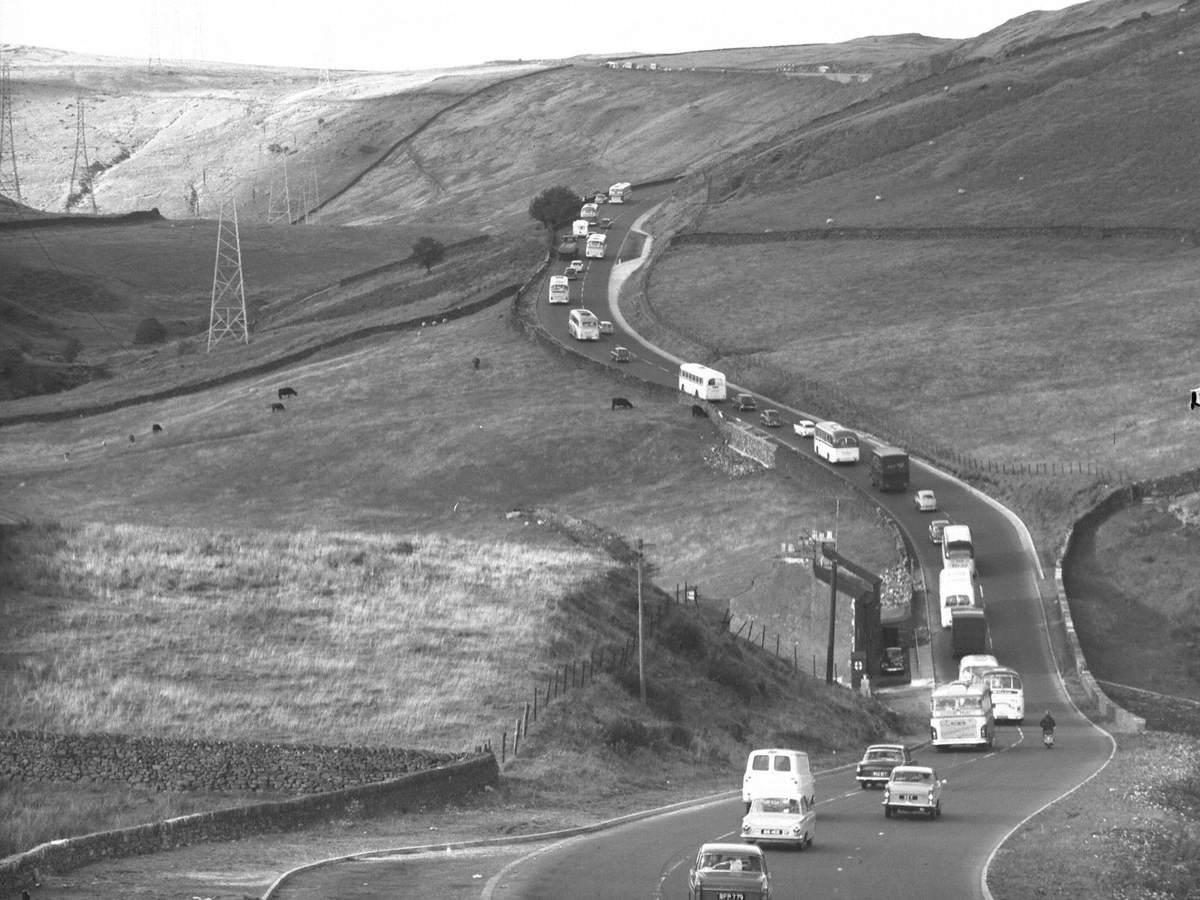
(957, 589)
(957, 548)
(835, 443)
(583, 325)
(701, 381)
(960, 715)
(596, 244)
(1008, 694)
(621, 192)
(889, 468)
(560, 289)
(589, 212)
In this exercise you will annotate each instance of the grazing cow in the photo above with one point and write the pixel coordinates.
(698, 410)
(132, 439)
(156, 428)
(277, 407)
(287, 392)
(621, 403)
(475, 362)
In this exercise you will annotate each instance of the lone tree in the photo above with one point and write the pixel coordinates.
(553, 207)
(429, 252)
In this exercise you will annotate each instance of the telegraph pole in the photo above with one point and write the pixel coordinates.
(641, 627)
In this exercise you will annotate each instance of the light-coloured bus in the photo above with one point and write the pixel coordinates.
(620, 192)
(580, 228)
(589, 212)
(560, 289)
(957, 589)
(596, 244)
(701, 381)
(960, 715)
(957, 547)
(583, 325)
(1008, 694)
(835, 443)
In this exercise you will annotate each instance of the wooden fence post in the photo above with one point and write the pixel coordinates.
(503, 746)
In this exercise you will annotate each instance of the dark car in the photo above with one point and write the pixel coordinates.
(606, 223)
(878, 761)
(769, 418)
(894, 662)
(620, 354)
(733, 871)
(745, 403)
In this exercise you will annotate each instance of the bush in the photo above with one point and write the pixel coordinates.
(730, 674)
(149, 331)
(681, 634)
(680, 736)
(626, 734)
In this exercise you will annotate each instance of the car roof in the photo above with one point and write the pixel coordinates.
(900, 770)
(749, 849)
(886, 747)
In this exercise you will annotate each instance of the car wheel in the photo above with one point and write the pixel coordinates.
(887, 812)
(937, 810)
(864, 784)
(933, 812)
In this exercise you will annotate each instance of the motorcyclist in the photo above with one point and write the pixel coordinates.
(1047, 724)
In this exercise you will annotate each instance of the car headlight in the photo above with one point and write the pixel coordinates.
(745, 828)
(796, 829)
(887, 794)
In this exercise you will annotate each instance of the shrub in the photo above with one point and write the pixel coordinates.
(679, 736)
(626, 734)
(730, 674)
(149, 331)
(681, 634)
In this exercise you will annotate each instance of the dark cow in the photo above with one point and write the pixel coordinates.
(475, 362)
(277, 407)
(287, 392)
(698, 410)
(156, 428)
(621, 403)
(132, 439)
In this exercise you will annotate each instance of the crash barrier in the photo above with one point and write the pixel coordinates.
(271, 365)
(407, 793)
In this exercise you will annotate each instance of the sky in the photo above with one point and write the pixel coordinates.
(399, 35)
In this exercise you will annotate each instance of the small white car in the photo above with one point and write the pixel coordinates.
(805, 428)
(913, 789)
(936, 527)
(780, 820)
(926, 501)
(576, 266)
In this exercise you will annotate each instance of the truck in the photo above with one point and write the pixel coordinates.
(889, 468)
(969, 632)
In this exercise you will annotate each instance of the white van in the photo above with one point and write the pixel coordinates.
(579, 228)
(957, 590)
(778, 773)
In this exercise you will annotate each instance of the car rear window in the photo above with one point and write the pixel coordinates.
(761, 763)
(783, 764)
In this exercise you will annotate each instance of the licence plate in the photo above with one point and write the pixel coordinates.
(730, 895)
(772, 831)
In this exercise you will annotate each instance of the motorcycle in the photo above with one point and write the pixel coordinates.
(1048, 739)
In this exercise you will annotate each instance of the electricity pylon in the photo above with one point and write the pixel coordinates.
(81, 176)
(10, 183)
(227, 315)
(280, 209)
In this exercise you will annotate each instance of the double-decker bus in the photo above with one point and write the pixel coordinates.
(835, 443)
(957, 547)
(960, 715)
(889, 468)
(621, 192)
(560, 289)
(596, 243)
(701, 381)
(1008, 694)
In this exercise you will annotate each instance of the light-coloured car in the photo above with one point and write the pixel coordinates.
(936, 527)
(780, 820)
(576, 266)
(913, 789)
(926, 501)
(729, 871)
(769, 418)
(805, 428)
(877, 763)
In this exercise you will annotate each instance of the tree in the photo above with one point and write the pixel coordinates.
(429, 252)
(553, 207)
